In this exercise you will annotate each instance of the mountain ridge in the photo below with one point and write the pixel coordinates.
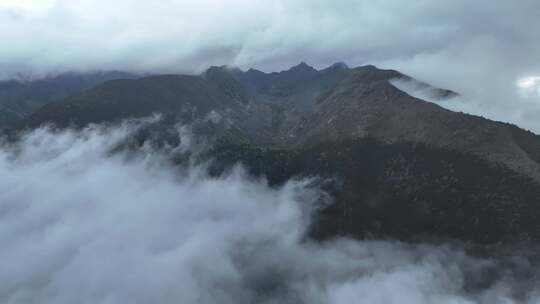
(304, 121)
(20, 97)
(300, 106)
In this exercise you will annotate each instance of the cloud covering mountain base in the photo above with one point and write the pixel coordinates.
(81, 224)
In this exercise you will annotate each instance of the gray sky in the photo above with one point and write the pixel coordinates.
(479, 48)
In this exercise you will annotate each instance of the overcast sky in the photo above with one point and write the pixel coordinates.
(482, 49)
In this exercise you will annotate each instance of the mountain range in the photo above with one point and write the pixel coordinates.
(396, 165)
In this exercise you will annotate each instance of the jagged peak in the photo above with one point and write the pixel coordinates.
(369, 67)
(255, 71)
(373, 68)
(302, 66)
(222, 69)
(370, 72)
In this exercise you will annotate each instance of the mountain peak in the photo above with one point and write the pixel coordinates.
(222, 69)
(339, 65)
(370, 73)
(302, 66)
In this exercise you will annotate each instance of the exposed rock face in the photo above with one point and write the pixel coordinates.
(401, 166)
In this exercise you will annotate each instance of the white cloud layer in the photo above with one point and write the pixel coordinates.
(79, 224)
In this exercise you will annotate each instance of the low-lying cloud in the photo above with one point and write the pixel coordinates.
(80, 223)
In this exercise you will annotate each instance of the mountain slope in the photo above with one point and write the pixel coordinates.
(358, 108)
(20, 98)
(403, 190)
(179, 97)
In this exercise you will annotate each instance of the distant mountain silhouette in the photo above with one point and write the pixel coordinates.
(19, 98)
